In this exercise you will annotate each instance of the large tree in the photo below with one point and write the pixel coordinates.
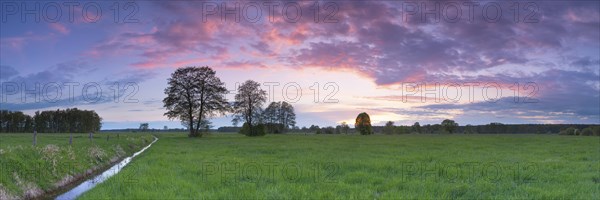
(363, 124)
(195, 94)
(279, 117)
(247, 106)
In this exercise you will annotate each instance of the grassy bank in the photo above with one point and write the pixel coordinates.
(361, 167)
(28, 171)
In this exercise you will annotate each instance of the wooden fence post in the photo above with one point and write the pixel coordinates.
(34, 138)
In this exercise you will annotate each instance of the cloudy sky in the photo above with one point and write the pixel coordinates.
(474, 62)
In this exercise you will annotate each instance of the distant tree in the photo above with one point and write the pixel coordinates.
(596, 130)
(271, 113)
(363, 124)
(449, 125)
(144, 127)
(195, 94)
(470, 129)
(15, 121)
(314, 128)
(57, 121)
(228, 129)
(296, 129)
(247, 106)
(345, 127)
(287, 116)
(165, 128)
(389, 128)
(587, 131)
(402, 129)
(496, 127)
(416, 128)
(568, 131)
(338, 129)
(279, 117)
(304, 129)
(327, 130)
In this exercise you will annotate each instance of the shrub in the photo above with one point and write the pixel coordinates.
(587, 131)
(591, 130)
(97, 154)
(275, 128)
(256, 130)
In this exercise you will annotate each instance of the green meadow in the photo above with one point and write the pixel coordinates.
(295, 166)
(28, 171)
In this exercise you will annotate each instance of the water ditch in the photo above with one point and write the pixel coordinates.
(93, 182)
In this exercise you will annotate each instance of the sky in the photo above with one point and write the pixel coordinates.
(475, 62)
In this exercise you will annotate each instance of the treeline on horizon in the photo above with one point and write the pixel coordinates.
(492, 128)
(71, 120)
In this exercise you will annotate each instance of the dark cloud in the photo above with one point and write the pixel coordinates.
(7, 72)
(65, 85)
(405, 49)
(62, 72)
(42, 103)
(561, 94)
(586, 62)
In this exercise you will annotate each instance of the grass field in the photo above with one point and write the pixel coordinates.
(28, 171)
(361, 167)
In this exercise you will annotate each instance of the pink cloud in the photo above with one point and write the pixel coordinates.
(243, 64)
(59, 28)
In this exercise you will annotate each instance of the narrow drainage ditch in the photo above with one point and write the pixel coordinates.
(93, 182)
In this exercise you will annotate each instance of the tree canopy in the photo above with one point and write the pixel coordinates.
(248, 106)
(144, 127)
(449, 125)
(363, 124)
(195, 94)
(51, 121)
(279, 117)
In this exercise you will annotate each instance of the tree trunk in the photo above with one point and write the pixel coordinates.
(201, 110)
(191, 126)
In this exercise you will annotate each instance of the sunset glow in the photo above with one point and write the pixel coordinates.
(366, 53)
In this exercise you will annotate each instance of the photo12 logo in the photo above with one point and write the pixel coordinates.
(291, 92)
(68, 11)
(469, 11)
(254, 12)
(494, 172)
(53, 92)
(453, 92)
(253, 172)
